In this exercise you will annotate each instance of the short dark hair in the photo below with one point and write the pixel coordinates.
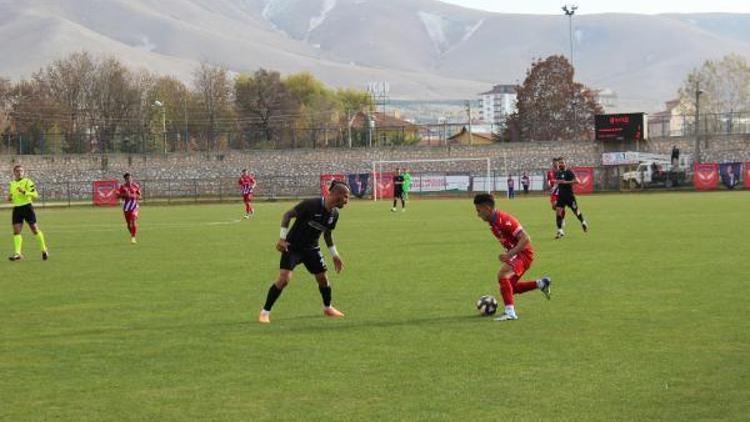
(335, 183)
(484, 199)
(126, 175)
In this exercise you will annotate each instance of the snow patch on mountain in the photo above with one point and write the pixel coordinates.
(316, 21)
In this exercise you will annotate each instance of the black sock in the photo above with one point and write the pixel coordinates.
(273, 294)
(559, 222)
(403, 204)
(394, 203)
(325, 292)
(580, 217)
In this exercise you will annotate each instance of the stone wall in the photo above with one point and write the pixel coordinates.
(296, 171)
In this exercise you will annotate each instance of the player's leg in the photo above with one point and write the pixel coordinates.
(395, 201)
(285, 275)
(39, 238)
(560, 219)
(504, 277)
(17, 238)
(577, 211)
(316, 265)
(250, 208)
(130, 218)
(403, 201)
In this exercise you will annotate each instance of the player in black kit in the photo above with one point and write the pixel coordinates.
(299, 245)
(565, 179)
(398, 191)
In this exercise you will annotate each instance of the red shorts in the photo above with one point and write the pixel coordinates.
(247, 197)
(521, 263)
(131, 215)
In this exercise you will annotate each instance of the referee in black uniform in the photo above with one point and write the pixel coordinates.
(299, 245)
(565, 179)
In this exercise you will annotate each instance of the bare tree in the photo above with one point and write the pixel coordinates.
(263, 101)
(213, 89)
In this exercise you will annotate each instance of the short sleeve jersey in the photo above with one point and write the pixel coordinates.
(567, 175)
(129, 192)
(29, 192)
(551, 176)
(312, 220)
(247, 184)
(506, 230)
(398, 183)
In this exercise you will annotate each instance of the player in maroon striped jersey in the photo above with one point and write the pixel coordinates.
(247, 186)
(130, 193)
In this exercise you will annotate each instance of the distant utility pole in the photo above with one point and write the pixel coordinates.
(698, 93)
(570, 10)
(468, 114)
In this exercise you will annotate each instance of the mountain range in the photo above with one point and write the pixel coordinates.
(425, 49)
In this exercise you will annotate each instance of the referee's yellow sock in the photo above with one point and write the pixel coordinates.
(40, 239)
(17, 243)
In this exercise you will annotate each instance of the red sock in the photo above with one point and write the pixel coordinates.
(522, 286)
(506, 291)
(133, 229)
(247, 208)
(250, 208)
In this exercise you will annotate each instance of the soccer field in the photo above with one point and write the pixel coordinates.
(648, 318)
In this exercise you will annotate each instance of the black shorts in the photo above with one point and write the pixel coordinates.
(24, 213)
(312, 258)
(398, 194)
(567, 201)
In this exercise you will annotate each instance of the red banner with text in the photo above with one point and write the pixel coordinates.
(747, 175)
(104, 193)
(326, 179)
(585, 176)
(705, 176)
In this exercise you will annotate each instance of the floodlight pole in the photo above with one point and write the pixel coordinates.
(570, 10)
(698, 93)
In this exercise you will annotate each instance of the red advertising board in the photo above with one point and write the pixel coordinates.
(585, 177)
(705, 176)
(104, 193)
(326, 179)
(385, 184)
(747, 175)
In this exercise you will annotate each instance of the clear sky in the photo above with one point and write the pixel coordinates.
(552, 7)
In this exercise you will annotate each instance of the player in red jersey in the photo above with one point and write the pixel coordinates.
(247, 186)
(516, 259)
(130, 193)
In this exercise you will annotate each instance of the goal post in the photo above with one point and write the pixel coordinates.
(377, 170)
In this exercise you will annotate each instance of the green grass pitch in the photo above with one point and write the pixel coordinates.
(648, 319)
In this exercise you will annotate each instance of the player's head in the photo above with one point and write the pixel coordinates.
(338, 195)
(398, 170)
(244, 172)
(18, 171)
(127, 177)
(561, 163)
(485, 206)
(554, 162)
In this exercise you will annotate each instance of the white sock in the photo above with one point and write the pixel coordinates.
(539, 283)
(265, 312)
(510, 310)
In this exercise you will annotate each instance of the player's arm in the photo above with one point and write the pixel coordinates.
(282, 245)
(31, 191)
(523, 241)
(338, 264)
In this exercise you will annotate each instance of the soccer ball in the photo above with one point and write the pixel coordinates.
(487, 305)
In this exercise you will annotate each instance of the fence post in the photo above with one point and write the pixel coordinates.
(67, 184)
(221, 190)
(195, 190)
(169, 191)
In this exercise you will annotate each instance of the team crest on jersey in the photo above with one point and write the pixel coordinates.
(330, 220)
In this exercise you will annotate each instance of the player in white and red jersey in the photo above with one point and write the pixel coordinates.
(247, 186)
(516, 259)
(130, 193)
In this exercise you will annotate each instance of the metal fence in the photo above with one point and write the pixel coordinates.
(182, 191)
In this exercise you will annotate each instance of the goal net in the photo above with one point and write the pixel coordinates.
(434, 176)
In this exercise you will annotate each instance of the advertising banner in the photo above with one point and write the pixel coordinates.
(104, 193)
(385, 184)
(747, 175)
(705, 176)
(326, 179)
(585, 176)
(731, 175)
(358, 184)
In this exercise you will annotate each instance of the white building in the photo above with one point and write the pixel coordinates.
(495, 105)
